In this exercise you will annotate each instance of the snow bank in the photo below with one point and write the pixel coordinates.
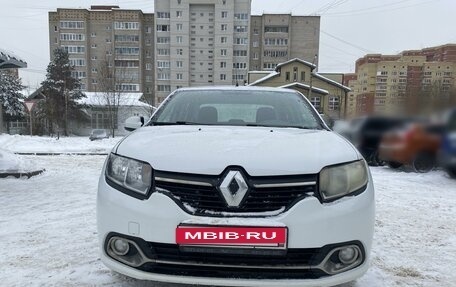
(36, 144)
(10, 162)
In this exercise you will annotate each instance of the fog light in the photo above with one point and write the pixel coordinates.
(348, 255)
(119, 246)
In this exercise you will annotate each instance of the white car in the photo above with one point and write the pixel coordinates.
(236, 186)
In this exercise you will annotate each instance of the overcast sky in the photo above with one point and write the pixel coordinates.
(349, 28)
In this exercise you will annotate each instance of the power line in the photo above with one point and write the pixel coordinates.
(346, 42)
(376, 10)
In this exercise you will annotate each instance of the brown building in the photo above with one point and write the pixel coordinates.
(328, 96)
(392, 84)
(107, 36)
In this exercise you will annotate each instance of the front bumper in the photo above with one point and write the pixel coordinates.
(310, 224)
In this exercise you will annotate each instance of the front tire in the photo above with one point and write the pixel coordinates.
(451, 172)
(423, 163)
(393, 164)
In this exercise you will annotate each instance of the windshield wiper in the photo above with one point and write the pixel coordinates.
(178, 123)
(295, 127)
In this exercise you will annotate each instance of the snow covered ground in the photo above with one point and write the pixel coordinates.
(36, 144)
(48, 228)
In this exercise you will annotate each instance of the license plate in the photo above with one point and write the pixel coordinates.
(254, 237)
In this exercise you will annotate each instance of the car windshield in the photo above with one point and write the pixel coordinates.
(237, 108)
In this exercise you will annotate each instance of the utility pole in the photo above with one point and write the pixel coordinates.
(311, 71)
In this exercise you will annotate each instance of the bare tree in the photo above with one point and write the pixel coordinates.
(110, 92)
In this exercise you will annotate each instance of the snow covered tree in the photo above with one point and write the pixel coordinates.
(10, 96)
(62, 92)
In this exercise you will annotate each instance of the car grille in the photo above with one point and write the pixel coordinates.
(208, 200)
(248, 266)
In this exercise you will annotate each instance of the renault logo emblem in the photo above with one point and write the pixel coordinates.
(233, 188)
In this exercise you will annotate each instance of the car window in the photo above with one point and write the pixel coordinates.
(239, 108)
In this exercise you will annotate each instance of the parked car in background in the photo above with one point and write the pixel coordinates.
(448, 152)
(98, 134)
(416, 145)
(366, 134)
(241, 186)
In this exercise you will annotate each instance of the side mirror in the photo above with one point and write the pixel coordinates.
(133, 123)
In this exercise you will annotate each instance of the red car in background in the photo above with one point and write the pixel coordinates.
(416, 145)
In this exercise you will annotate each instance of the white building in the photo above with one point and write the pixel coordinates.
(200, 43)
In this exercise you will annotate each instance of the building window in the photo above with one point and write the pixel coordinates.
(240, 66)
(295, 74)
(148, 66)
(255, 44)
(222, 77)
(179, 14)
(162, 28)
(162, 40)
(240, 53)
(316, 102)
(241, 41)
(224, 14)
(101, 119)
(240, 29)
(148, 29)
(222, 65)
(179, 39)
(287, 76)
(72, 37)
(223, 52)
(224, 27)
(333, 103)
(77, 62)
(179, 64)
(303, 76)
(179, 76)
(163, 64)
(179, 27)
(163, 52)
(71, 24)
(127, 51)
(74, 49)
(164, 88)
(163, 76)
(255, 56)
(241, 16)
(127, 87)
(180, 52)
(126, 25)
(223, 39)
(163, 15)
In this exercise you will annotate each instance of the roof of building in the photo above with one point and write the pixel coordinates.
(124, 99)
(10, 61)
(329, 81)
(307, 87)
(316, 75)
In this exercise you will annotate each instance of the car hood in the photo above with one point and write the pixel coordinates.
(260, 151)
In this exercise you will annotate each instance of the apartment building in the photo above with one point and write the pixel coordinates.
(388, 84)
(277, 38)
(184, 43)
(107, 37)
(200, 43)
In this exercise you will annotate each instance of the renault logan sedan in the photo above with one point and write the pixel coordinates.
(236, 187)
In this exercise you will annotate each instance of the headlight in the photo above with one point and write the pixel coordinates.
(341, 180)
(131, 174)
